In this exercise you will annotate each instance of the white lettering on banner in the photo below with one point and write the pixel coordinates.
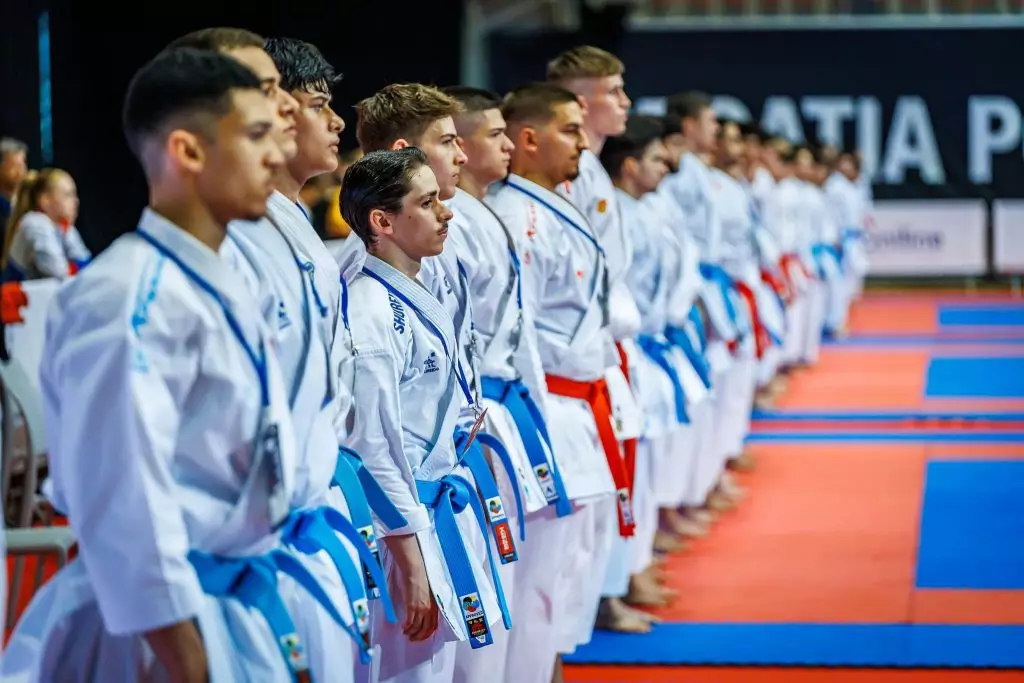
(1008, 236)
(935, 237)
(993, 128)
(910, 144)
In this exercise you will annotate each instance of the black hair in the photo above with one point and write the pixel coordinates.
(179, 83)
(301, 65)
(640, 133)
(752, 129)
(724, 123)
(687, 105)
(670, 126)
(473, 99)
(380, 180)
(535, 103)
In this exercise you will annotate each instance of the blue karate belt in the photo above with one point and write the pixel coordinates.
(448, 497)
(821, 251)
(660, 352)
(365, 497)
(714, 273)
(312, 530)
(472, 456)
(678, 337)
(698, 324)
(252, 581)
(515, 396)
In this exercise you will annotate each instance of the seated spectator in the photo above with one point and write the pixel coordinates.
(41, 239)
(13, 167)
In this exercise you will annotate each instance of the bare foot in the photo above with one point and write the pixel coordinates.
(614, 615)
(667, 542)
(719, 502)
(700, 516)
(644, 591)
(731, 488)
(646, 616)
(679, 524)
(744, 462)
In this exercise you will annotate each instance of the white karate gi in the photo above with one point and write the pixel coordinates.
(490, 277)
(785, 219)
(811, 205)
(563, 285)
(851, 209)
(40, 248)
(407, 401)
(137, 352)
(656, 268)
(264, 255)
(593, 193)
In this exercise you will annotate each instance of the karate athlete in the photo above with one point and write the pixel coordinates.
(506, 350)
(686, 459)
(171, 446)
(809, 247)
(270, 257)
(563, 267)
(740, 259)
(417, 115)
(847, 198)
(827, 248)
(595, 76)
(637, 162)
(408, 398)
(691, 188)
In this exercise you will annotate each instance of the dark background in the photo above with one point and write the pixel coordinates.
(94, 53)
(97, 46)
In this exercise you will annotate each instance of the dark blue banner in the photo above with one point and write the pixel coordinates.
(936, 113)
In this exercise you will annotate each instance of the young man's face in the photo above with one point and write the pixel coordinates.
(441, 145)
(319, 128)
(13, 167)
(675, 145)
(561, 141)
(730, 145)
(422, 225)
(236, 177)
(652, 166)
(607, 105)
(284, 104)
(487, 146)
(702, 130)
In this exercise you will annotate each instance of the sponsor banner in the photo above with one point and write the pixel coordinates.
(1008, 237)
(923, 133)
(935, 238)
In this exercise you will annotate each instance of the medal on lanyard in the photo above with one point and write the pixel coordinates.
(477, 424)
(267, 445)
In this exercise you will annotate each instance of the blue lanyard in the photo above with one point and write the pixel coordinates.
(590, 238)
(259, 360)
(456, 364)
(344, 303)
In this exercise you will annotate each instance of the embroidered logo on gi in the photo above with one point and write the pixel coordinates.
(294, 652)
(602, 205)
(580, 274)
(495, 511)
(398, 312)
(430, 364)
(283, 321)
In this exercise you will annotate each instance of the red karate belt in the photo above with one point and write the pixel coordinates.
(762, 340)
(779, 284)
(628, 445)
(790, 261)
(596, 396)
